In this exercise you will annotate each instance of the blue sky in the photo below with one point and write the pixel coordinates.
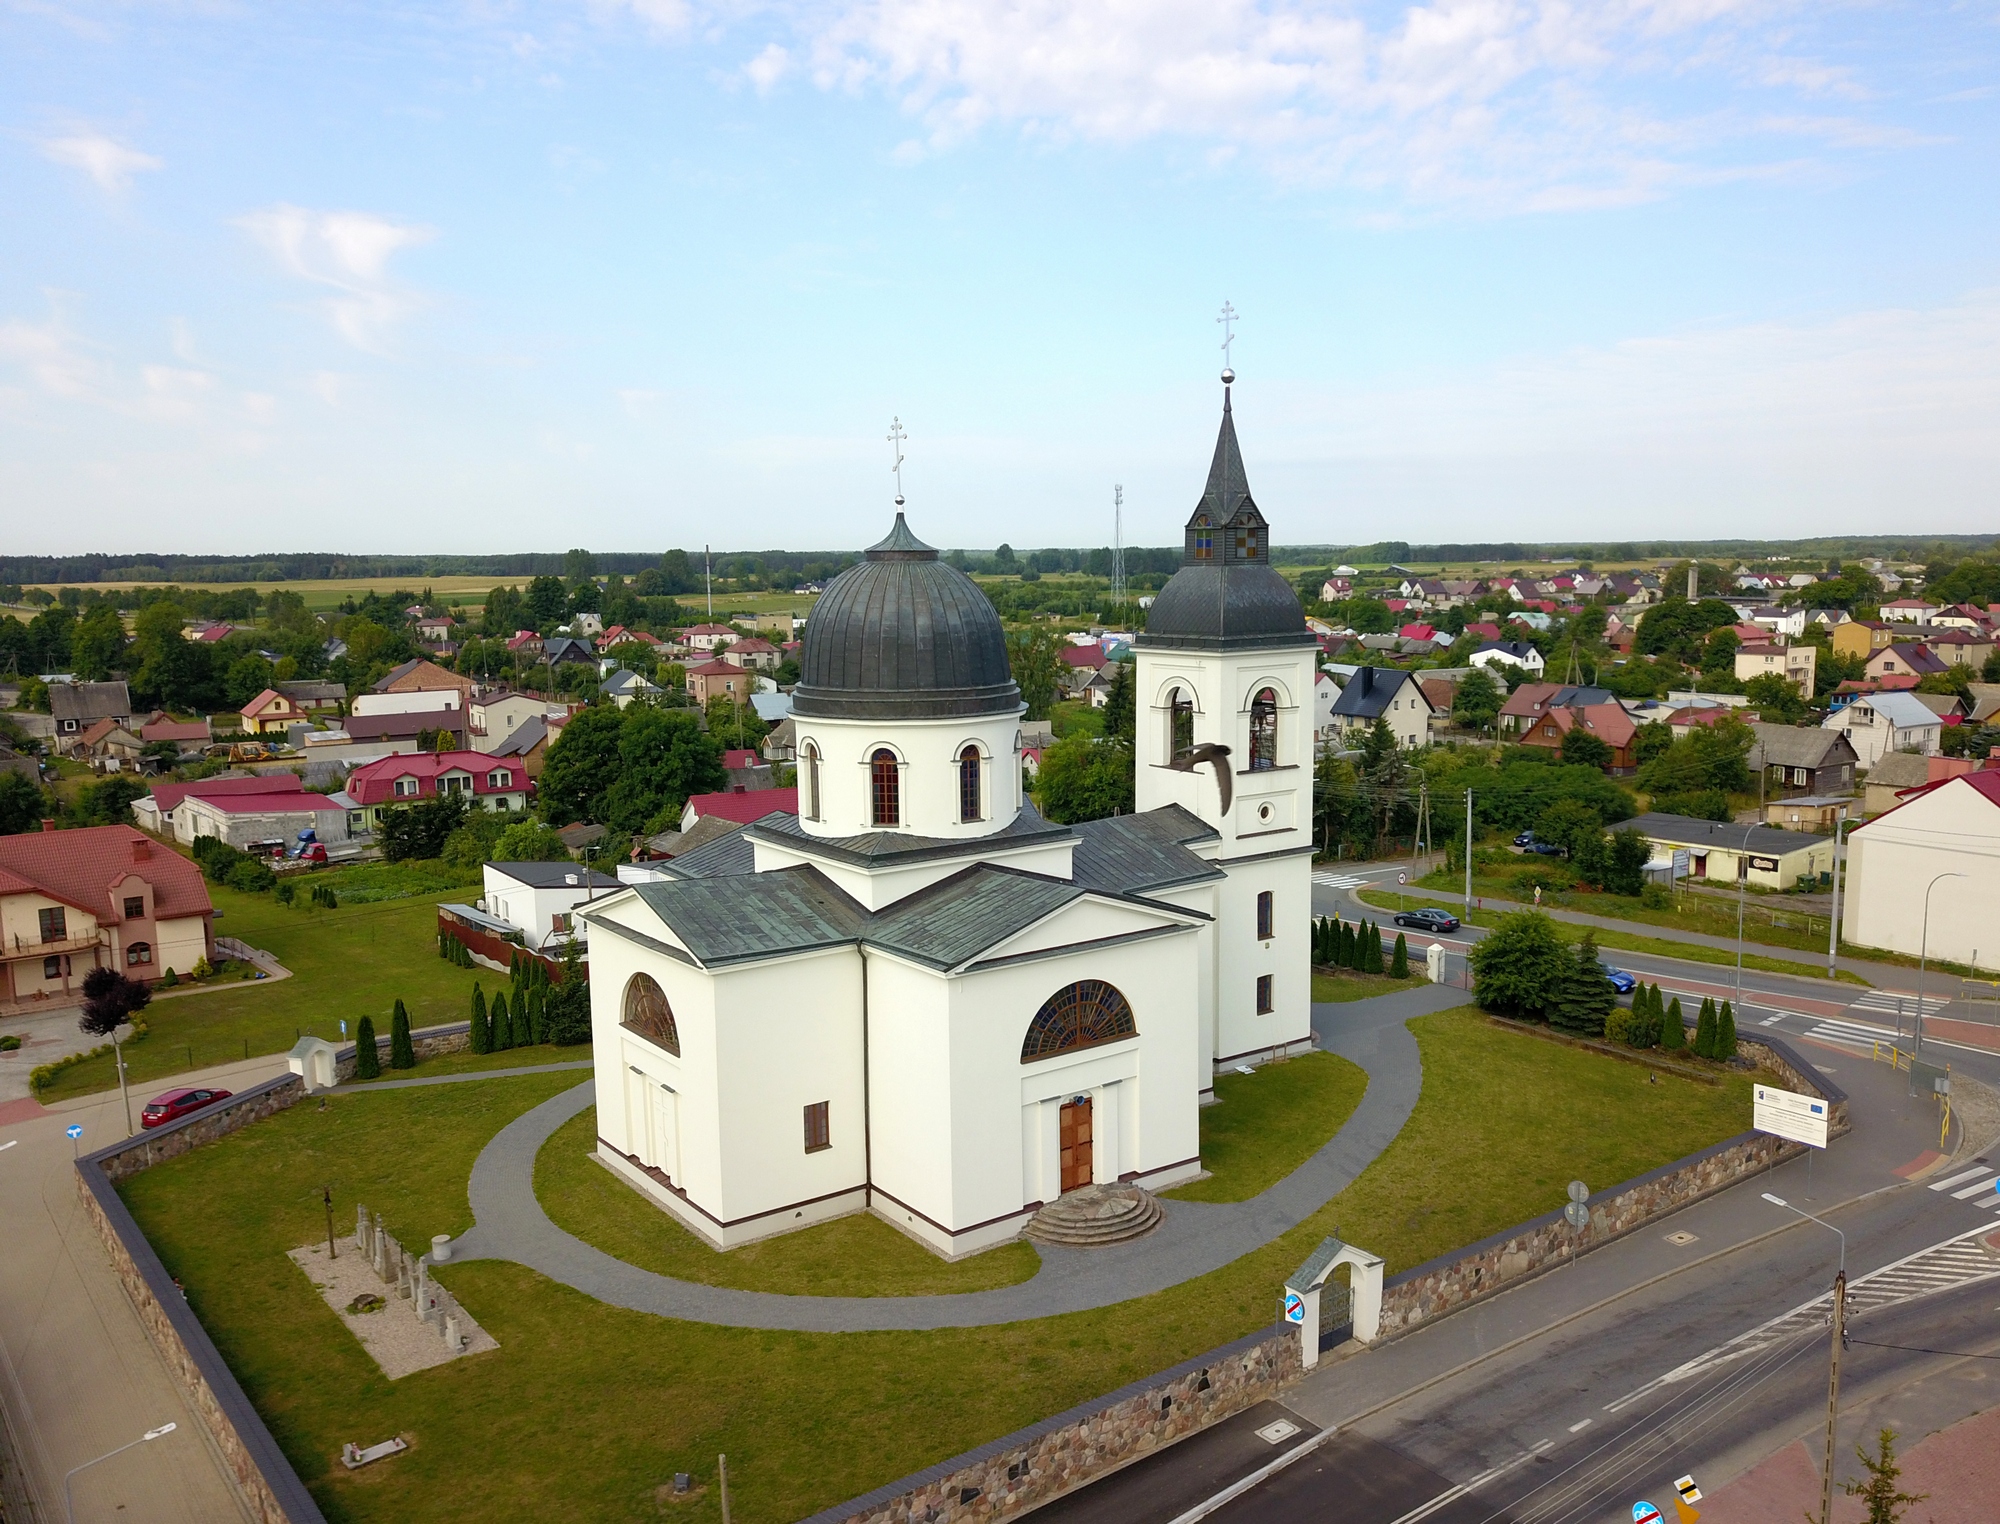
(628, 275)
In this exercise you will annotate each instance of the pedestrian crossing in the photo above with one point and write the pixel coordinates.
(1888, 1003)
(1970, 1184)
(1853, 1033)
(1327, 880)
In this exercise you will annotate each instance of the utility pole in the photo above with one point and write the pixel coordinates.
(708, 580)
(1118, 544)
(1833, 920)
(1833, 1393)
(1468, 857)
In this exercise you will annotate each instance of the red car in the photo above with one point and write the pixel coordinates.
(175, 1104)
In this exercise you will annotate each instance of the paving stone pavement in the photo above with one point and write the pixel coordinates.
(1196, 1237)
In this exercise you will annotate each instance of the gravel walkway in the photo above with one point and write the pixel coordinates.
(1196, 1237)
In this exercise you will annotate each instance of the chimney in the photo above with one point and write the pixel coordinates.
(142, 850)
(48, 825)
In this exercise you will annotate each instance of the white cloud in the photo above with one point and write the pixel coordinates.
(348, 252)
(107, 161)
(768, 67)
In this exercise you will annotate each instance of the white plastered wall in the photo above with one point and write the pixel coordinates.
(928, 752)
(183, 942)
(1241, 957)
(1892, 861)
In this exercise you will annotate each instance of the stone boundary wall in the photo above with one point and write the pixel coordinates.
(425, 1042)
(1032, 1466)
(1037, 1464)
(264, 1478)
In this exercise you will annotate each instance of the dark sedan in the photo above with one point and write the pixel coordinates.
(1428, 920)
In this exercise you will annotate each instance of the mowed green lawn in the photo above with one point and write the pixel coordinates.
(1265, 1124)
(347, 963)
(585, 1410)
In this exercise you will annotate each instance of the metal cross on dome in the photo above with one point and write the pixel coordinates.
(1228, 322)
(896, 438)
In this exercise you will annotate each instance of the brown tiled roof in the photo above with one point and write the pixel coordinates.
(83, 867)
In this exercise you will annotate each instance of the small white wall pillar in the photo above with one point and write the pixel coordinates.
(312, 1059)
(1434, 962)
(1365, 1305)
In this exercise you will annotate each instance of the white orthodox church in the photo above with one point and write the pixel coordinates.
(919, 998)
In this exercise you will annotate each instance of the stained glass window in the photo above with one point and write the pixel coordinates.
(1081, 1016)
(648, 1014)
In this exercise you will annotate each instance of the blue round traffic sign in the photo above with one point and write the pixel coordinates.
(1645, 1513)
(73, 1131)
(1295, 1307)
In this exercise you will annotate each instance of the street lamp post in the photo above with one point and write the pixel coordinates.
(1742, 881)
(1923, 953)
(1839, 1338)
(69, 1512)
(1833, 920)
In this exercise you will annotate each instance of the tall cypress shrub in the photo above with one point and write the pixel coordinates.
(402, 1052)
(367, 1057)
(482, 1035)
(1673, 1028)
(1372, 943)
(1725, 1032)
(503, 1026)
(1399, 965)
(1704, 1029)
(537, 1006)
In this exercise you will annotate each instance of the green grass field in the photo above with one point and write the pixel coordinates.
(585, 1410)
(1267, 1123)
(347, 963)
(1333, 986)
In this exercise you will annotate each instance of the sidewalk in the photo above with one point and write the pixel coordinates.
(1957, 1472)
(78, 1374)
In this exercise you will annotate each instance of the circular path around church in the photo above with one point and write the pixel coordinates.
(1196, 1237)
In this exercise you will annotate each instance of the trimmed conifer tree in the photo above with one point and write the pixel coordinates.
(367, 1057)
(1374, 941)
(537, 1005)
(1399, 965)
(1673, 1028)
(402, 1052)
(503, 1026)
(481, 1034)
(1725, 1032)
(1704, 1029)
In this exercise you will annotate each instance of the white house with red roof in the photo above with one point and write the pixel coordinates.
(1937, 852)
(708, 637)
(103, 896)
(720, 679)
(158, 811)
(490, 783)
(741, 805)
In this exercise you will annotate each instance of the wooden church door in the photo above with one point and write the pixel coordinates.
(1075, 1135)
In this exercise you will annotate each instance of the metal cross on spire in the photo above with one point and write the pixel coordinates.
(1228, 322)
(896, 438)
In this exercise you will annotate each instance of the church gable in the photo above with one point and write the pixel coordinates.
(1087, 921)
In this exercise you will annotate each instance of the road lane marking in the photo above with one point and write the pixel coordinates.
(1255, 1479)
(1972, 1190)
(1578, 1428)
(1961, 1177)
(1452, 1495)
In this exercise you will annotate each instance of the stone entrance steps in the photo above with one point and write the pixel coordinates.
(1094, 1215)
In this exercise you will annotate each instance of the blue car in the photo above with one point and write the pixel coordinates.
(1621, 981)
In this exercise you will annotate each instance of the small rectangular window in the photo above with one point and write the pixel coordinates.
(1263, 994)
(135, 906)
(1264, 916)
(816, 1128)
(54, 923)
(52, 968)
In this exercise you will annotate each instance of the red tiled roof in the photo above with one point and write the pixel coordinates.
(375, 782)
(83, 867)
(1484, 630)
(743, 758)
(1608, 722)
(755, 645)
(271, 804)
(168, 795)
(718, 668)
(175, 730)
(1091, 655)
(743, 808)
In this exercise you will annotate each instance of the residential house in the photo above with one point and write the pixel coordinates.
(753, 652)
(1482, 630)
(746, 770)
(1963, 616)
(1441, 693)
(270, 712)
(1418, 630)
(405, 730)
(618, 635)
(1509, 653)
(98, 897)
(1904, 660)
(782, 744)
(525, 642)
(528, 744)
(1803, 759)
(205, 632)
(537, 900)
(11, 761)
(740, 806)
(1382, 693)
(1985, 702)
(1608, 722)
(1898, 897)
(188, 735)
(493, 717)
(420, 676)
(436, 628)
(624, 686)
(1086, 656)
(716, 679)
(158, 811)
(1862, 638)
(108, 747)
(1908, 611)
(1336, 589)
(580, 836)
(771, 707)
(1527, 703)
(75, 707)
(255, 819)
(571, 649)
(1763, 856)
(1957, 646)
(708, 637)
(488, 782)
(1880, 723)
(1798, 665)
(1683, 720)
(1948, 707)
(1901, 771)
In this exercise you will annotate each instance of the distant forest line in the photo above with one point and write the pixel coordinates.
(145, 567)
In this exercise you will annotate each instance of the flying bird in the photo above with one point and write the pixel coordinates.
(1208, 751)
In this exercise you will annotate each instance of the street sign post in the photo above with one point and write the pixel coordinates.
(1645, 1513)
(1295, 1307)
(1578, 1215)
(1578, 1191)
(73, 1132)
(1787, 1114)
(1687, 1489)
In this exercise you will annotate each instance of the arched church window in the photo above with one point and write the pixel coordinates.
(1263, 731)
(968, 785)
(885, 787)
(1204, 537)
(1180, 723)
(648, 1014)
(810, 756)
(1081, 1016)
